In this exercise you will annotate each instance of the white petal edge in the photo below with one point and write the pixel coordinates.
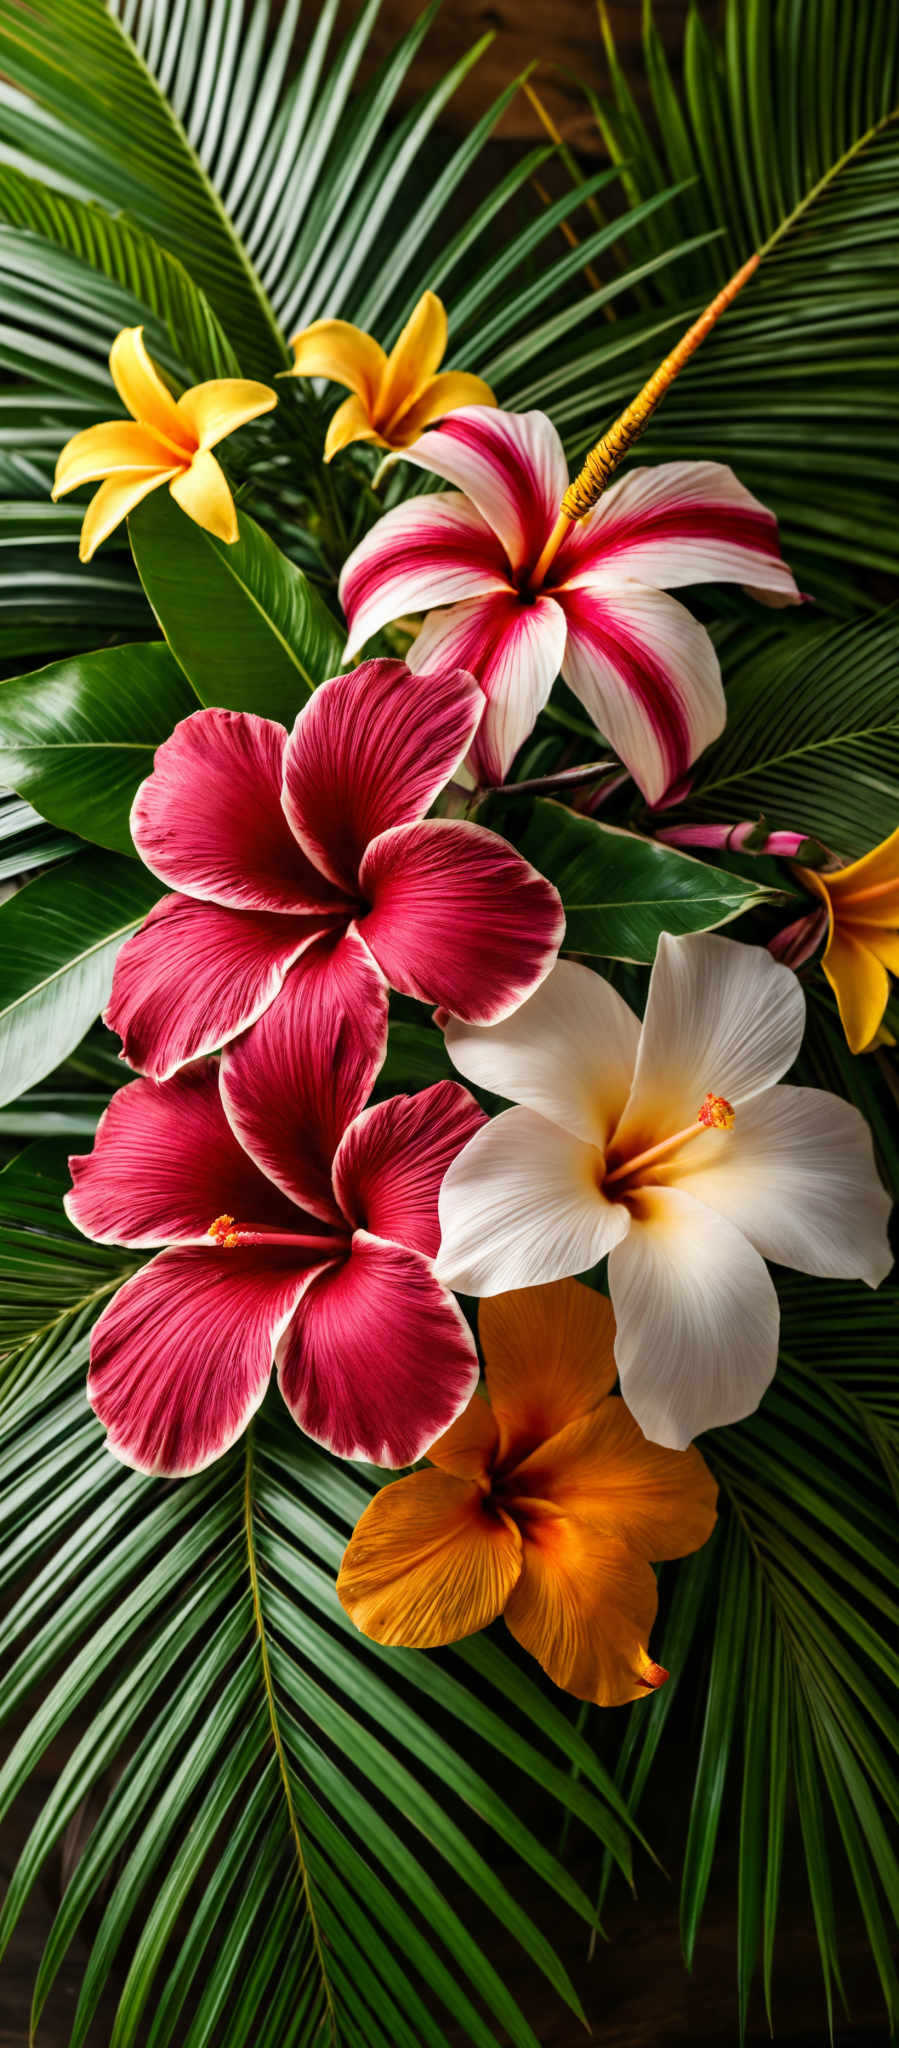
(520, 1206)
(568, 1052)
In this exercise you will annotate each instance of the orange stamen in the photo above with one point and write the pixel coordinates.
(223, 1230)
(715, 1113)
(653, 1676)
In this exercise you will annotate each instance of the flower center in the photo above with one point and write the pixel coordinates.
(226, 1234)
(715, 1113)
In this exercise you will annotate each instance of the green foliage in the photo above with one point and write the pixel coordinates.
(621, 891)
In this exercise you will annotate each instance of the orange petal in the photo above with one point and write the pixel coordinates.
(350, 423)
(341, 352)
(140, 386)
(584, 1606)
(868, 888)
(860, 983)
(210, 411)
(428, 1562)
(413, 359)
(468, 1447)
(549, 1355)
(441, 395)
(602, 1469)
(202, 492)
(105, 449)
(113, 502)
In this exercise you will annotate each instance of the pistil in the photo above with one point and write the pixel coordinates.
(226, 1234)
(715, 1114)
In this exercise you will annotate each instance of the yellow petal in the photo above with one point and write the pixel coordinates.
(113, 502)
(549, 1355)
(428, 1563)
(413, 359)
(584, 1607)
(468, 1447)
(202, 492)
(860, 983)
(350, 423)
(140, 386)
(602, 1470)
(341, 352)
(441, 395)
(103, 450)
(868, 888)
(210, 411)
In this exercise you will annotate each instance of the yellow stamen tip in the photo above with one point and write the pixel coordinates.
(717, 1114)
(219, 1226)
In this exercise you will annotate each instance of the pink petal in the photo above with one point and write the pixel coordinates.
(371, 750)
(512, 466)
(181, 1358)
(209, 821)
(380, 1360)
(515, 650)
(196, 974)
(683, 522)
(165, 1163)
(458, 919)
(390, 1163)
(431, 551)
(648, 675)
(292, 1084)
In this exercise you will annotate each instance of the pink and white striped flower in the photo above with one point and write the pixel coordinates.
(669, 1147)
(307, 857)
(278, 1246)
(642, 666)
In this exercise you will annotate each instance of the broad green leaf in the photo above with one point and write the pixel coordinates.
(621, 892)
(247, 628)
(76, 738)
(58, 941)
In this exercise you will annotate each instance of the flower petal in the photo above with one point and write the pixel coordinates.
(348, 424)
(584, 1606)
(697, 1319)
(109, 449)
(113, 502)
(797, 1176)
(292, 1084)
(380, 1360)
(549, 1358)
(202, 492)
(426, 1564)
(431, 551)
(601, 1469)
(568, 1052)
(516, 652)
(234, 847)
(370, 750)
(165, 1163)
(140, 387)
(510, 464)
(342, 353)
(458, 918)
(181, 1358)
(868, 889)
(648, 675)
(468, 1447)
(390, 1163)
(860, 982)
(440, 395)
(413, 359)
(721, 1019)
(195, 975)
(520, 1205)
(210, 411)
(679, 523)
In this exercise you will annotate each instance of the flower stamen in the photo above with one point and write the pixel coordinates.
(224, 1232)
(715, 1113)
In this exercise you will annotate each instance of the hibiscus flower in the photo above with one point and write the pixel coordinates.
(642, 666)
(669, 1147)
(310, 852)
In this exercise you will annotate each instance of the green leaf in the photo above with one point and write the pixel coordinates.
(621, 892)
(58, 941)
(76, 738)
(247, 628)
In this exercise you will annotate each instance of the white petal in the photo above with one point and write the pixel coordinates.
(514, 650)
(512, 466)
(697, 1319)
(646, 672)
(685, 522)
(721, 1019)
(797, 1175)
(568, 1052)
(431, 551)
(520, 1206)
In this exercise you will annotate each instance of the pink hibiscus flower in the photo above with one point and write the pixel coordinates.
(642, 666)
(280, 1247)
(308, 854)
